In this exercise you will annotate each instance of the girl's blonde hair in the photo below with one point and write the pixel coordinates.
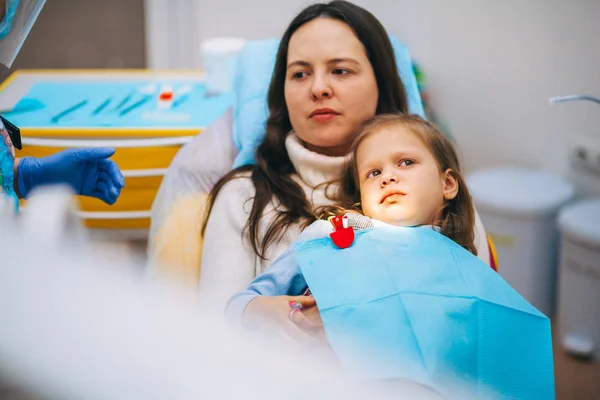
(456, 219)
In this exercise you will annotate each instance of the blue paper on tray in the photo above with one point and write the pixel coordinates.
(94, 104)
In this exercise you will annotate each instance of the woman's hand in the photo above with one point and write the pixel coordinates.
(311, 321)
(272, 313)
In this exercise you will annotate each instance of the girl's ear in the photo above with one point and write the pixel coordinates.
(449, 185)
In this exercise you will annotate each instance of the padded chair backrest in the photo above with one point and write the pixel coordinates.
(251, 83)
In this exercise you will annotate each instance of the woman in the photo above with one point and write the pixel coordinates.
(335, 69)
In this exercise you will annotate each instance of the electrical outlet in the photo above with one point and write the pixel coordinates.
(584, 170)
(585, 153)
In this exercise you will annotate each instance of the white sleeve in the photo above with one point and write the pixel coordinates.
(228, 260)
(481, 243)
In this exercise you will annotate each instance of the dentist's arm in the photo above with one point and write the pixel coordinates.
(89, 172)
(15, 168)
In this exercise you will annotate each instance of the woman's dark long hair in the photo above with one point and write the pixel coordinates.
(271, 175)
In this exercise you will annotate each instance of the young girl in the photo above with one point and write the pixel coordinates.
(403, 302)
(402, 172)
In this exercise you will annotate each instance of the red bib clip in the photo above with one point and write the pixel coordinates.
(343, 236)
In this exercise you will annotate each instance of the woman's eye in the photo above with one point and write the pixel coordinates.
(406, 163)
(298, 75)
(341, 71)
(373, 174)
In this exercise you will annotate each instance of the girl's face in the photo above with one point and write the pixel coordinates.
(330, 87)
(400, 181)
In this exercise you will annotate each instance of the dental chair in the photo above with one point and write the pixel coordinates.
(175, 242)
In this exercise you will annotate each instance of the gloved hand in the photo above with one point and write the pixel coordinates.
(88, 171)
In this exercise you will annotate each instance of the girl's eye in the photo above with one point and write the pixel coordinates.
(373, 173)
(406, 163)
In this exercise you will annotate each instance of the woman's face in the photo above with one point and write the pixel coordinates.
(330, 87)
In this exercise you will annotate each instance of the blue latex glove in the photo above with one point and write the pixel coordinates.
(88, 171)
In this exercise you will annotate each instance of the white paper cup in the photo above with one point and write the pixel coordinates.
(219, 55)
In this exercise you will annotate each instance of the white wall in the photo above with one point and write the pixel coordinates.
(492, 64)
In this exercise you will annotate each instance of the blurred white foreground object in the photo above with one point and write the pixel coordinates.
(75, 326)
(50, 218)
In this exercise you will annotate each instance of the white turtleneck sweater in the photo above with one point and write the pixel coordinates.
(229, 263)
